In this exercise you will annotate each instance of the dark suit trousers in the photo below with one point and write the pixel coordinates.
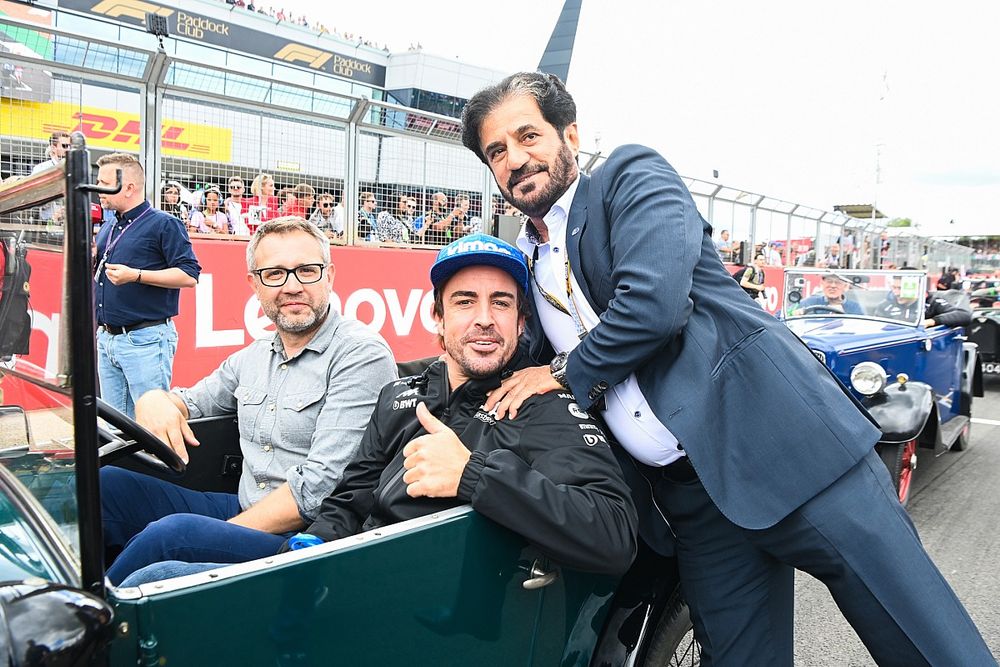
(854, 537)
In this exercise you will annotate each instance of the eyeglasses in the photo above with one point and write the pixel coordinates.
(64, 146)
(369, 201)
(276, 276)
(325, 205)
(235, 187)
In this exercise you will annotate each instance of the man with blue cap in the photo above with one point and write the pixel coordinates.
(549, 475)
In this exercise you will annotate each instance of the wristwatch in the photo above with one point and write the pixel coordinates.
(558, 369)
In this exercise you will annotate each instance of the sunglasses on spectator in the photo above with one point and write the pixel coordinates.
(64, 146)
(235, 186)
(326, 205)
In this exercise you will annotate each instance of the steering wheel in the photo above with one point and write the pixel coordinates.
(143, 443)
(820, 308)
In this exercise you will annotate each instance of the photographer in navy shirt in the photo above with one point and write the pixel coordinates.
(143, 259)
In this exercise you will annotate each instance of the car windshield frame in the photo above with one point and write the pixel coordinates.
(58, 430)
(864, 293)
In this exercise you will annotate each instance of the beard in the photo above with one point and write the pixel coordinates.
(536, 201)
(296, 324)
(475, 365)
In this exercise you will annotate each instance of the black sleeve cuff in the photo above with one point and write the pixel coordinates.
(470, 476)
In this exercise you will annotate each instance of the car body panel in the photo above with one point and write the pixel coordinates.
(985, 332)
(420, 592)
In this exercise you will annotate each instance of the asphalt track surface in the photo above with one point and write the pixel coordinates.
(955, 505)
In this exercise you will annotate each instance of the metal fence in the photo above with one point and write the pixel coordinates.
(392, 172)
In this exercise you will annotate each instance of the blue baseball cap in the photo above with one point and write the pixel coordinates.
(478, 250)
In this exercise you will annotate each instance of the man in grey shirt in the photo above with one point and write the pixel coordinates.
(302, 399)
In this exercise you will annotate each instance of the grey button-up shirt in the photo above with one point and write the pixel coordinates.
(300, 419)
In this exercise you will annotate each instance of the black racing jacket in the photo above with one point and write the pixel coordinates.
(549, 474)
(941, 311)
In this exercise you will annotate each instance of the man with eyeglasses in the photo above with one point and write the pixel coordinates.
(302, 399)
(367, 221)
(59, 143)
(235, 206)
(329, 217)
(904, 304)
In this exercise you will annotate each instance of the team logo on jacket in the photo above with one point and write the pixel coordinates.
(486, 417)
(592, 439)
(575, 410)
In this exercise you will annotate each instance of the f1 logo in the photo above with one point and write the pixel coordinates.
(133, 9)
(298, 53)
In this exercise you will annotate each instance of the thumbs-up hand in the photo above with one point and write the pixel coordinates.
(434, 462)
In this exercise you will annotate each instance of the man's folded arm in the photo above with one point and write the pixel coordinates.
(656, 238)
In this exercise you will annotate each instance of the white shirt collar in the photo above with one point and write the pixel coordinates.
(555, 219)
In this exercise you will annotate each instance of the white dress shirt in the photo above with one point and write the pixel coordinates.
(627, 414)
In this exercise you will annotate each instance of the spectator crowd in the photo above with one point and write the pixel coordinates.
(240, 210)
(283, 15)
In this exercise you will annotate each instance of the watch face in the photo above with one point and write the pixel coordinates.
(559, 362)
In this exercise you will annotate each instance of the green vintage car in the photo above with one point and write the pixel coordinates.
(451, 588)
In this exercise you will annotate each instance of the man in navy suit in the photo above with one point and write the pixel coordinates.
(645, 326)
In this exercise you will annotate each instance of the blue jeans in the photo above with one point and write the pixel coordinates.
(133, 363)
(158, 521)
(167, 569)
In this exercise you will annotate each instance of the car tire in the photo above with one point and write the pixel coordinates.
(673, 643)
(963, 441)
(901, 460)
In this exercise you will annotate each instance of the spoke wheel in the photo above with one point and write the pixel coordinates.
(673, 643)
(901, 460)
(962, 443)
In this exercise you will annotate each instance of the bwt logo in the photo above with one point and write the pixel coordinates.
(133, 9)
(476, 246)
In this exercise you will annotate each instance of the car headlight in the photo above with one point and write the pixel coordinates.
(868, 378)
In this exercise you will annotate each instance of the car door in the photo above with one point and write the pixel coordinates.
(943, 369)
(440, 590)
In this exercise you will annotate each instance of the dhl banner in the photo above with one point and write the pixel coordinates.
(115, 130)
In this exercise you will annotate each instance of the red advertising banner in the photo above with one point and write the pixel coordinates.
(387, 289)
(774, 283)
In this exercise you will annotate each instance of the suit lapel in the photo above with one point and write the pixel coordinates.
(574, 232)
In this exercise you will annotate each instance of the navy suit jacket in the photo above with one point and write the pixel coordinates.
(766, 425)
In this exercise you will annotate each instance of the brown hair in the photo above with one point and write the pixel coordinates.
(130, 166)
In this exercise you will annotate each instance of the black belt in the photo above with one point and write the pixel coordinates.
(117, 331)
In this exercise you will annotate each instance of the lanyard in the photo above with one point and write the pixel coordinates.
(570, 307)
(112, 242)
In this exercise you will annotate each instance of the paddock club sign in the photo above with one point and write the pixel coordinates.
(209, 30)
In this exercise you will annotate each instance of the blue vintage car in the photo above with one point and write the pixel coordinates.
(868, 328)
